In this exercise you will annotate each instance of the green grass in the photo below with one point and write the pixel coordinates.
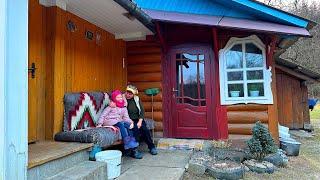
(315, 114)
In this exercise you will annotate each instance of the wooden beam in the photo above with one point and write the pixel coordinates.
(221, 122)
(161, 38)
(273, 108)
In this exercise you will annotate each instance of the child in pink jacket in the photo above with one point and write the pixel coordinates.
(117, 115)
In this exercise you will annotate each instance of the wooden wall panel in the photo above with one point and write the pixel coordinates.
(144, 71)
(292, 101)
(77, 64)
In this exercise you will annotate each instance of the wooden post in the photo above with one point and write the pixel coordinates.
(273, 109)
(220, 111)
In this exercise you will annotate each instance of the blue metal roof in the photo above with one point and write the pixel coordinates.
(244, 9)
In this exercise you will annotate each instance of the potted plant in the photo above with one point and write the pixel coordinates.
(235, 92)
(254, 90)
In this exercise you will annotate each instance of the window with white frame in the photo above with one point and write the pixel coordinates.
(244, 77)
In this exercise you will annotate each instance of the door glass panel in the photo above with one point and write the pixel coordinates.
(190, 84)
(235, 90)
(190, 79)
(234, 57)
(253, 56)
(235, 76)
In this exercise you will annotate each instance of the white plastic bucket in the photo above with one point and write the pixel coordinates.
(113, 160)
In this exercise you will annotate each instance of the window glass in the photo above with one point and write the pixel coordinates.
(235, 76)
(253, 56)
(234, 57)
(255, 75)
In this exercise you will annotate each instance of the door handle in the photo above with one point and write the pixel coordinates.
(32, 70)
(175, 90)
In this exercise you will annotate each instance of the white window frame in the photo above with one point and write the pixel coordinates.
(225, 99)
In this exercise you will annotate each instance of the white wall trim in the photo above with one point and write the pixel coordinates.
(3, 8)
(59, 3)
(225, 99)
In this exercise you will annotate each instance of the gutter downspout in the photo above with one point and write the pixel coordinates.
(137, 12)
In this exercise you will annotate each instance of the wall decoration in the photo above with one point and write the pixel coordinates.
(71, 26)
(89, 35)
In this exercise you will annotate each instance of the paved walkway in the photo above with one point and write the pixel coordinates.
(167, 165)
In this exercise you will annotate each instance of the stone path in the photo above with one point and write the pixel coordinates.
(167, 165)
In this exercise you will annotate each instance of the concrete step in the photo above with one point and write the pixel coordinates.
(54, 166)
(83, 171)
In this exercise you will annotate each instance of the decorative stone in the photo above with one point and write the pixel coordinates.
(227, 154)
(196, 168)
(278, 159)
(225, 170)
(259, 167)
(246, 168)
(197, 163)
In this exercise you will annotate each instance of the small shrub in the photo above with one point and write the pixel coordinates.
(261, 144)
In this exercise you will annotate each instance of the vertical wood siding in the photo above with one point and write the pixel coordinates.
(75, 64)
(292, 101)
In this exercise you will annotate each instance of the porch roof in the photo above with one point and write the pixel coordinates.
(226, 22)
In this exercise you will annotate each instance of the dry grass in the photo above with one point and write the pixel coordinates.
(306, 166)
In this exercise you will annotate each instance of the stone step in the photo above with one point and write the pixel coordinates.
(54, 166)
(92, 170)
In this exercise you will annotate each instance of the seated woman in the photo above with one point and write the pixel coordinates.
(136, 113)
(117, 115)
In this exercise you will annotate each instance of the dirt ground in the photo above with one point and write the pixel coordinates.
(306, 166)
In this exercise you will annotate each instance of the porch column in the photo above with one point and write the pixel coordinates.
(14, 89)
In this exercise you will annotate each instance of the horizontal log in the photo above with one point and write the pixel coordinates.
(144, 77)
(144, 50)
(144, 68)
(247, 117)
(158, 126)
(158, 134)
(248, 107)
(157, 106)
(145, 98)
(143, 58)
(146, 85)
(245, 129)
(157, 116)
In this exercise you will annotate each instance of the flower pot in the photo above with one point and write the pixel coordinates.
(234, 93)
(254, 93)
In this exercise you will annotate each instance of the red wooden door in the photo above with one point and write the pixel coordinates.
(191, 93)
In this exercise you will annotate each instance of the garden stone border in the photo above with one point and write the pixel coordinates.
(259, 167)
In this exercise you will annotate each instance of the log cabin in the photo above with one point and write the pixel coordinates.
(213, 61)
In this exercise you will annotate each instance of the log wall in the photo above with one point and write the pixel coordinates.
(144, 71)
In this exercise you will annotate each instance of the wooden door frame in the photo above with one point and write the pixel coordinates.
(167, 74)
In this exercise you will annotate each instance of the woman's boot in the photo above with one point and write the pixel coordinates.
(136, 154)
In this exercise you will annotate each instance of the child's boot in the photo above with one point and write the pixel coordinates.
(133, 143)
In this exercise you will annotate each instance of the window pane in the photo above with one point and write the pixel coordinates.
(234, 57)
(235, 76)
(255, 89)
(189, 56)
(190, 85)
(235, 90)
(253, 56)
(254, 75)
(202, 80)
